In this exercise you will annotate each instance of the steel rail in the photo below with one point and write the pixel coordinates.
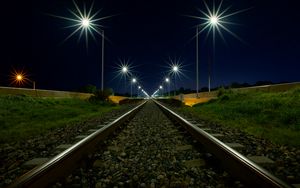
(63, 163)
(237, 164)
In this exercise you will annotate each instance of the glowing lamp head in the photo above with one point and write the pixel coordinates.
(214, 20)
(19, 77)
(160, 87)
(175, 68)
(85, 22)
(140, 87)
(124, 69)
(133, 80)
(167, 80)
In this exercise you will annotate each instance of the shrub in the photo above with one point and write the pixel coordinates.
(101, 95)
(221, 91)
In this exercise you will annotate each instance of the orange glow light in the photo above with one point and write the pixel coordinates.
(18, 78)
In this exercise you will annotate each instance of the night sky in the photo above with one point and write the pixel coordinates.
(148, 33)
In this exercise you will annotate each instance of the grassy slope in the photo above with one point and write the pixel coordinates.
(274, 116)
(22, 117)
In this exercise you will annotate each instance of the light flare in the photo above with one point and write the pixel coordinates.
(216, 20)
(83, 22)
(19, 78)
(175, 67)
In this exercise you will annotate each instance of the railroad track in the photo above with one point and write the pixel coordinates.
(149, 151)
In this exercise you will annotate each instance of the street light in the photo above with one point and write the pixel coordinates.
(124, 70)
(20, 78)
(85, 24)
(175, 70)
(160, 88)
(197, 62)
(214, 21)
(168, 82)
(133, 81)
(138, 94)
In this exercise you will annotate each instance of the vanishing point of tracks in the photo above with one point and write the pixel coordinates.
(149, 146)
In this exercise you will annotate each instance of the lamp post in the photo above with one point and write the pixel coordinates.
(138, 94)
(132, 82)
(215, 20)
(167, 80)
(20, 78)
(86, 24)
(175, 69)
(102, 62)
(124, 71)
(161, 88)
(197, 62)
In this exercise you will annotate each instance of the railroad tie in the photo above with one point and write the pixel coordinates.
(35, 162)
(92, 130)
(217, 135)
(80, 137)
(261, 160)
(235, 146)
(100, 126)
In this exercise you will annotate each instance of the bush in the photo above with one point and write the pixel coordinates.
(221, 91)
(101, 95)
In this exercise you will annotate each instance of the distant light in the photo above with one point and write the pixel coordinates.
(124, 69)
(133, 80)
(167, 80)
(19, 77)
(160, 87)
(140, 87)
(214, 20)
(85, 22)
(175, 68)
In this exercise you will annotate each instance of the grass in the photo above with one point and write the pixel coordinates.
(271, 115)
(22, 116)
